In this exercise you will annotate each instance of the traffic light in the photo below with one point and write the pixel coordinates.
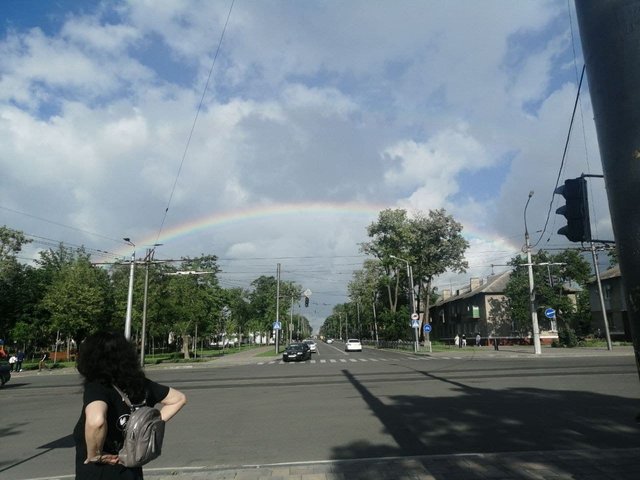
(576, 210)
(306, 301)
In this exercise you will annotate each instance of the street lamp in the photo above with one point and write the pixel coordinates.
(413, 303)
(532, 306)
(127, 322)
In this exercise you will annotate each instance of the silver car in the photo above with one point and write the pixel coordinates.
(312, 345)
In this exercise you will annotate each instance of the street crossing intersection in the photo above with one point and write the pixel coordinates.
(355, 360)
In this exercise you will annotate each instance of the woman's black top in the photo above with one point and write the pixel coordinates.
(117, 416)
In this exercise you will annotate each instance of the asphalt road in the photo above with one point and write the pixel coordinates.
(366, 404)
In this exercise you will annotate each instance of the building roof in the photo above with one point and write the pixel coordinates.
(495, 284)
(613, 272)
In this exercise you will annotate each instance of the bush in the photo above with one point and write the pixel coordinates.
(567, 337)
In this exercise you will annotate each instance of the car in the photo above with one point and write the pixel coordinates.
(329, 340)
(353, 345)
(296, 352)
(312, 345)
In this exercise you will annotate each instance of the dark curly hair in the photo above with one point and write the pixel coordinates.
(110, 359)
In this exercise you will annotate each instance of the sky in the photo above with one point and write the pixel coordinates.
(275, 131)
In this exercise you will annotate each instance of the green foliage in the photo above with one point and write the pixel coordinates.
(560, 283)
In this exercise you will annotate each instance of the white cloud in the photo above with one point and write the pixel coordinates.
(386, 103)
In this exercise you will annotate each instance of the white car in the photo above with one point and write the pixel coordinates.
(329, 340)
(312, 346)
(353, 345)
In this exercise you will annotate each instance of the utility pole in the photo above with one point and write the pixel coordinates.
(277, 330)
(532, 295)
(127, 320)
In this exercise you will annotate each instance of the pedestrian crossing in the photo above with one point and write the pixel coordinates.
(349, 360)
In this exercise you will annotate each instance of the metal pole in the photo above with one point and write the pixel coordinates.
(532, 296)
(144, 307)
(291, 323)
(127, 321)
(602, 305)
(277, 306)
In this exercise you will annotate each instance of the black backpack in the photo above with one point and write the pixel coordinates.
(143, 434)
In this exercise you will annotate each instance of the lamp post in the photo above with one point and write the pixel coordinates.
(532, 306)
(413, 302)
(127, 321)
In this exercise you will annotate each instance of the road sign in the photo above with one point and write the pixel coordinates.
(277, 325)
(415, 324)
(415, 316)
(426, 328)
(550, 313)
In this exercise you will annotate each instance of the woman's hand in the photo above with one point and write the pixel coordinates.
(105, 458)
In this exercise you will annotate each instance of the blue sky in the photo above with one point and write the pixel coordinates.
(461, 105)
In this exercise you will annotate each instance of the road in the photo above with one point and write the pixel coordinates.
(342, 405)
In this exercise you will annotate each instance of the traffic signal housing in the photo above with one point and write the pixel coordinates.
(575, 210)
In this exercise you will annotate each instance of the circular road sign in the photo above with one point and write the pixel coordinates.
(426, 328)
(550, 313)
(415, 316)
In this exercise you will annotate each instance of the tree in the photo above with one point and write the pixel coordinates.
(79, 299)
(365, 289)
(11, 274)
(552, 274)
(437, 245)
(391, 235)
(431, 244)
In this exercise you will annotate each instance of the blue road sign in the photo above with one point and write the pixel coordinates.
(550, 313)
(277, 325)
(426, 328)
(415, 324)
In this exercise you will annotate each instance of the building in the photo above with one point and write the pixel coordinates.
(481, 308)
(615, 304)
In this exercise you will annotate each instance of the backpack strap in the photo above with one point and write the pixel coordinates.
(124, 396)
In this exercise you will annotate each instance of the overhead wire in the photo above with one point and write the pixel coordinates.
(193, 125)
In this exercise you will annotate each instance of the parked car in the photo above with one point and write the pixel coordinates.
(312, 345)
(5, 374)
(353, 345)
(296, 352)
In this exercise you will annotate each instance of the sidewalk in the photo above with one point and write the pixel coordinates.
(618, 464)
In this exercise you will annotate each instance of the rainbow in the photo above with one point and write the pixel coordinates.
(216, 220)
(367, 211)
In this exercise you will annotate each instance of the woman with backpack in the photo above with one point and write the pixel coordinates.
(107, 361)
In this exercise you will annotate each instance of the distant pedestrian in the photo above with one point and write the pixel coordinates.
(478, 340)
(43, 361)
(496, 343)
(464, 340)
(456, 340)
(12, 362)
(20, 359)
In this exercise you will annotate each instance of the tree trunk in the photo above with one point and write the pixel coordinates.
(185, 346)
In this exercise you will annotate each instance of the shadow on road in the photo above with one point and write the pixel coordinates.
(485, 421)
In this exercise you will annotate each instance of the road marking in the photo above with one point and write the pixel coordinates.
(343, 360)
(333, 360)
(323, 361)
(313, 361)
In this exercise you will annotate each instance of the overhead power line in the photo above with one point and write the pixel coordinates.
(193, 125)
